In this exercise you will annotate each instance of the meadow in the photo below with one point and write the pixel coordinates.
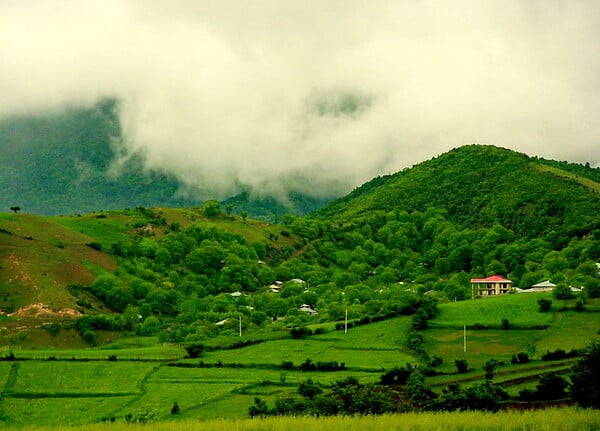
(139, 377)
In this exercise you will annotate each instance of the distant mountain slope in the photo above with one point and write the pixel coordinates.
(59, 163)
(480, 185)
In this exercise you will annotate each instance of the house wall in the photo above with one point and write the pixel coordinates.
(490, 289)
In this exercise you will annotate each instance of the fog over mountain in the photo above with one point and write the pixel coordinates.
(311, 96)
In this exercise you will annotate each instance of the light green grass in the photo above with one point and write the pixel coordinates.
(375, 346)
(64, 412)
(570, 330)
(160, 397)
(519, 309)
(4, 371)
(317, 350)
(79, 377)
(582, 180)
(481, 345)
(106, 231)
(566, 419)
(156, 352)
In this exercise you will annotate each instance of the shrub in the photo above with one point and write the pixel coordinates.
(520, 358)
(308, 366)
(544, 304)
(551, 387)
(300, 332)
(396, 376)
(259, 408)
(490, 368)
(309, 389)
(194, 350)
(95, 245)
(287, 365)
(559, 354)
(461, 365)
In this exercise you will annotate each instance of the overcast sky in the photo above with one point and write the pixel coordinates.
(313, 94)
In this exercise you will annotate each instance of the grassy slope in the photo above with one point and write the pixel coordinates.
(40, 257)
(593, 185)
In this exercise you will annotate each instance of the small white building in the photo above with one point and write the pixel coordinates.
(544, 286)
(307, 309)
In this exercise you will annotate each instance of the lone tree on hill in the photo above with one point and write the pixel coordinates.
(15, 209)
(211, 208)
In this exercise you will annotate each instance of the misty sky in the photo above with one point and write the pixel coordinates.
(312, 95)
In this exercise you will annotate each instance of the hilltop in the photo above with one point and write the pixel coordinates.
(481, 185)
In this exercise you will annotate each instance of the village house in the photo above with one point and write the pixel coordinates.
(544, 286)
(489, 286)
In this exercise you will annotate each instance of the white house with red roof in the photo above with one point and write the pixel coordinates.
(490, 286)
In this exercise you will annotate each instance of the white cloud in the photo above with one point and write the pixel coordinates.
(223, 93)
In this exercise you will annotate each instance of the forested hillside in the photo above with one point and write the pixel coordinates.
(473, 212)
(479, 186)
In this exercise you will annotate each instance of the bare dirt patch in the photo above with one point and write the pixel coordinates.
(40, 309)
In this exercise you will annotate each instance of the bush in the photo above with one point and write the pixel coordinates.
(559, 354)
(300, 332)
(194, 350)
(396, 376)
(544, 304)
(551, 387)
(287, 365)
(309, 389)
(520, 358)
(95, 245)
(490, 368)
(308, 366)
(461, 365)
(259, 408)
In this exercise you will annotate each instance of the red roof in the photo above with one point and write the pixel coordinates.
(492, 279)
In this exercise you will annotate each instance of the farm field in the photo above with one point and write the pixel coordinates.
(81, 386)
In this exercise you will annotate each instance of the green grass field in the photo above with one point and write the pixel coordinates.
(62, 392)
(521, 311)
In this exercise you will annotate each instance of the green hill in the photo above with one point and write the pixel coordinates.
(482, 185)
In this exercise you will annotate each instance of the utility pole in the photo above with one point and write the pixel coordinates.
(346, 322)
(465, 338)
(240, 325)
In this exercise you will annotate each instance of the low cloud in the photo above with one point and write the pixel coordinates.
(312, 96)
